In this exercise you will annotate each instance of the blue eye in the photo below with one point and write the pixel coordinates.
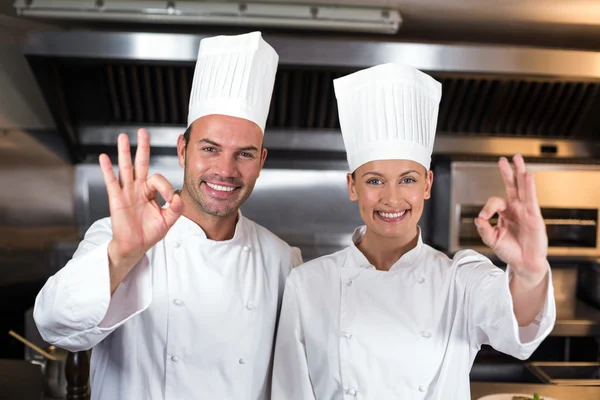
(209, 149)
(408, 180)
(374, 181)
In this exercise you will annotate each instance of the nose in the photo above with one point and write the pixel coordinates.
(392, 196)
(226, 166)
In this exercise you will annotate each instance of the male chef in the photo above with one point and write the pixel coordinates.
(181, 301)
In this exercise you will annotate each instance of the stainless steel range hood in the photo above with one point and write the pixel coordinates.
(98, 84)
(496, 101)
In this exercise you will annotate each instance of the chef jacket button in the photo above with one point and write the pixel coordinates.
(246, 248)
(351, 392)
(175, 358)
(420, 279)
(241, 361)
(426, 334)
(177, 302)
(422, 388)
(349, 282)
(176, 244)
(249, 305)
(348, 335)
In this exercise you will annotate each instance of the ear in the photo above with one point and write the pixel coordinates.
(263, 157)
(429, 184)
(351, 187)
(181, 149)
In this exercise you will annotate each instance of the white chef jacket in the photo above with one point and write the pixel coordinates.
(348, 331)
(194, 319)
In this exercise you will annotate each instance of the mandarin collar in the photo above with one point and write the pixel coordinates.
(361, 261)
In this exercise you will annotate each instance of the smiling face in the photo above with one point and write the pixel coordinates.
(222, 161)
(391, 195)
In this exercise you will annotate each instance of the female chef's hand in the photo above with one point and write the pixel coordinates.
(138, 221)
(519, 239)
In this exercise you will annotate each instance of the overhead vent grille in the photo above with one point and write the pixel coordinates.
(129, 93)
(517, 107)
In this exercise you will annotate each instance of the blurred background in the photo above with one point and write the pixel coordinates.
(518, 76)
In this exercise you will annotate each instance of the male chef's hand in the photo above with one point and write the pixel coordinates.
(519, 239)
(138, 221)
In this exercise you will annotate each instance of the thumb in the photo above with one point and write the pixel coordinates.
(173, 212)
(486, 231)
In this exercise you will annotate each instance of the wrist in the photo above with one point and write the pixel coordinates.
(119, 260)
(531, 275)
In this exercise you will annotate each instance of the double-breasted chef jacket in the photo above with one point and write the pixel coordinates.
(349, 331)
(194, 319)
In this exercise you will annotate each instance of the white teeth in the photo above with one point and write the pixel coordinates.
(220, 188)
(391, 215)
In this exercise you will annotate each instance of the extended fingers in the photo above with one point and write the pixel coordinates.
(508, 176)
(125, 167)
(110, 180)
(520, 173)
(532, 200)
(142, 155)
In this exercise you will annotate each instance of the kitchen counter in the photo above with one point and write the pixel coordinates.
(480, 389)
(20, 380)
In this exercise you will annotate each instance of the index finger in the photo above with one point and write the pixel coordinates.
(508, 176)
(124, 157)
(142, 155)
(532, 200)
(492, 206)
(110, 180)
(520, 172)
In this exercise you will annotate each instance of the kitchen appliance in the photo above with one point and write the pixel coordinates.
(98, 84)
(569, 198)
(568, 195)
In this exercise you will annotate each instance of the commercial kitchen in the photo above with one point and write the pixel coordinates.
(517, 77)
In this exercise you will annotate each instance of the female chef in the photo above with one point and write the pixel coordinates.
(390, 317)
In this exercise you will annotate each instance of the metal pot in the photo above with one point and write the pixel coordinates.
(55, 382)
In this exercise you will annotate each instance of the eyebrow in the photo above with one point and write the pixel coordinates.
(249, 148)
(205, 140)
(410, 171)
(213, 143)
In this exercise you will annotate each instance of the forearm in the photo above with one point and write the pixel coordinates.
(529, 295)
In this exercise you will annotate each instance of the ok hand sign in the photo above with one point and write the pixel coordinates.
(519, 238)
(138, 221)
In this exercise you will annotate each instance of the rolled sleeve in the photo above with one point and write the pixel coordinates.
(75, 309)
(132, 296)
(492, 318)
(533, 334)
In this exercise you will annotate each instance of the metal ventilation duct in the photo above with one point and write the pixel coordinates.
(303, 98)
(98, 80)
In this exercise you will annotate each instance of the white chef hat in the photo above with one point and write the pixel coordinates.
(234, 76)
(388, 112)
